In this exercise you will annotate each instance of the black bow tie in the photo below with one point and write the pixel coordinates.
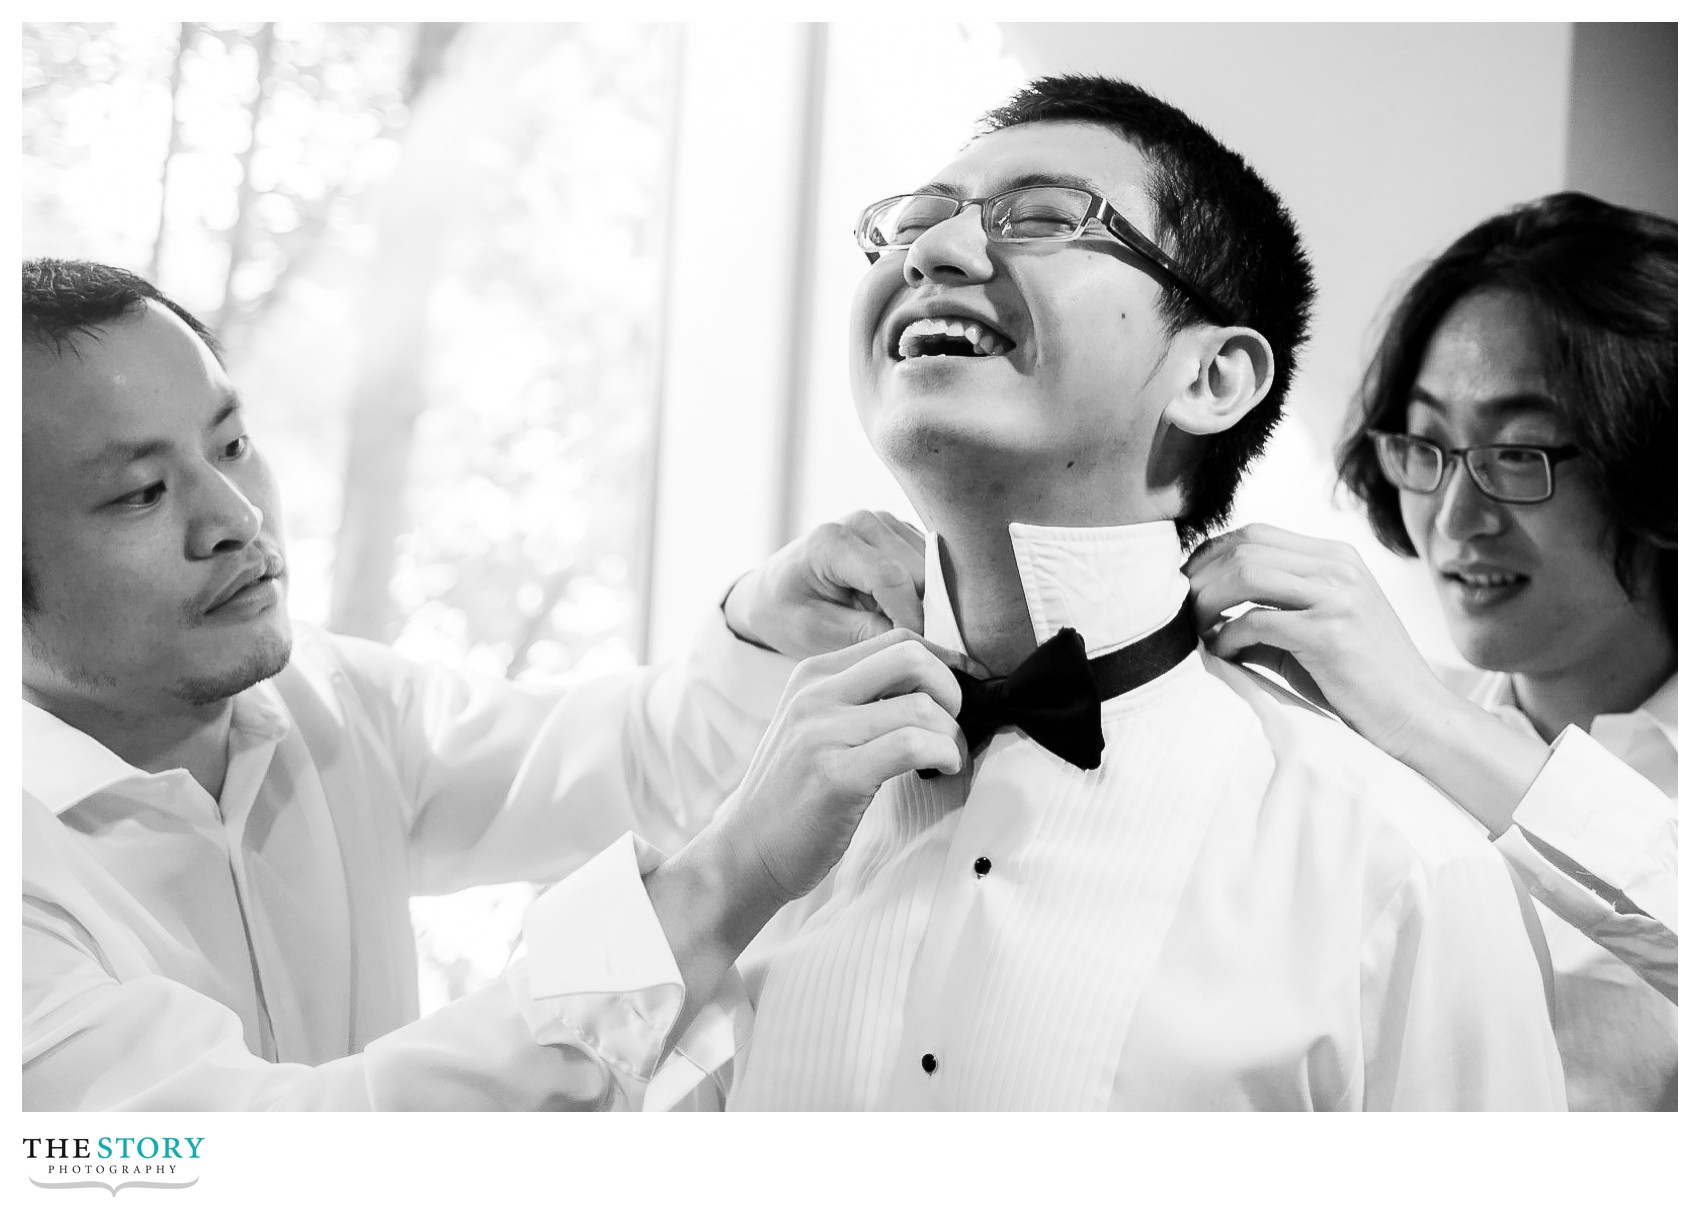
(1055, 695)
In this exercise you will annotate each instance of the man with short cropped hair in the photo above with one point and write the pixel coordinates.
(224, 816)
(1159, 882)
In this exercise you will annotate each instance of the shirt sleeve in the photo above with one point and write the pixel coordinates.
(578, 1024)
(618, 994)
(1454, 997)
(1596, 843)
(506, 782)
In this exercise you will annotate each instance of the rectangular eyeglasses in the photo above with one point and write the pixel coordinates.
(1030, 214)
(1509, 472)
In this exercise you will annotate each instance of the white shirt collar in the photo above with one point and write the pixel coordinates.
(1658, 712)
(1111, 584)
(63, 766)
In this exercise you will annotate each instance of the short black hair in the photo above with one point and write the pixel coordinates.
(1225, 227)
(1601, 282)
(65, 301)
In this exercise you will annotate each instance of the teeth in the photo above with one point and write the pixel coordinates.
(984, 340)
(1487, 580)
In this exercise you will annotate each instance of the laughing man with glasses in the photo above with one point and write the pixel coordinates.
(1158, 881)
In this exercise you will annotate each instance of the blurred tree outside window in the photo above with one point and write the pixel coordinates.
(434, 255)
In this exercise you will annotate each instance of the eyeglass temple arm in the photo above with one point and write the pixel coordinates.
(1160, 261)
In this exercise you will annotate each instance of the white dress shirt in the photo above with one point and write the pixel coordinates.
(1606, 801)
(1245, 907)
(256, 951)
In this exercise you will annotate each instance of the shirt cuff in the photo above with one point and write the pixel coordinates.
(601, 975)
(752, 678)
(1599, 813)
(694, 1070)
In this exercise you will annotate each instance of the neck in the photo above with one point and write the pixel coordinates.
(153, 739)
(969, 497)
(1620, 683)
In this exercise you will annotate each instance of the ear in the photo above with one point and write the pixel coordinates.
(1231, 370)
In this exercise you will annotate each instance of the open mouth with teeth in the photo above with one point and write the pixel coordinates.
(1486, 581)
(1483, 589)
(951, 337)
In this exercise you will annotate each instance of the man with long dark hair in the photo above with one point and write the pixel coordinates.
(1516, 432)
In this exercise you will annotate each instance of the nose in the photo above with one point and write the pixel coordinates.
(1465, 511)
(954, 251)
(224, 519)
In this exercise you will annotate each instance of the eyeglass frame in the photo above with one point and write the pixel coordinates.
(1552, 455)
(1112, 220)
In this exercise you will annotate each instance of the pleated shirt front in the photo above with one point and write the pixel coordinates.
(1244, 906)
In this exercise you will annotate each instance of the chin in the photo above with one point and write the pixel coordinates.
(265, 659)
(1506, 650)
(919, 432)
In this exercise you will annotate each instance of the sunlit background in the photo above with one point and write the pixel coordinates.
(542, 326)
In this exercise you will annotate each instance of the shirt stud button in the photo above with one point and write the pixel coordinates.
(982, 865)
(929, 1063)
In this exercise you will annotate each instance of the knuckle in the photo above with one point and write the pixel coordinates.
(853, 524)
(917, 659)
(809, 699)
(832, 534)
(911, 743)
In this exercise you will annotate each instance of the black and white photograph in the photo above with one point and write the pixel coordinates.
(883, 565)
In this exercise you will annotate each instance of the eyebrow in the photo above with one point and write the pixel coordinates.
(1497, 407)
(951, 190)
(119, 454)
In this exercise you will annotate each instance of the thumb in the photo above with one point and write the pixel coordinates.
(867, 573)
